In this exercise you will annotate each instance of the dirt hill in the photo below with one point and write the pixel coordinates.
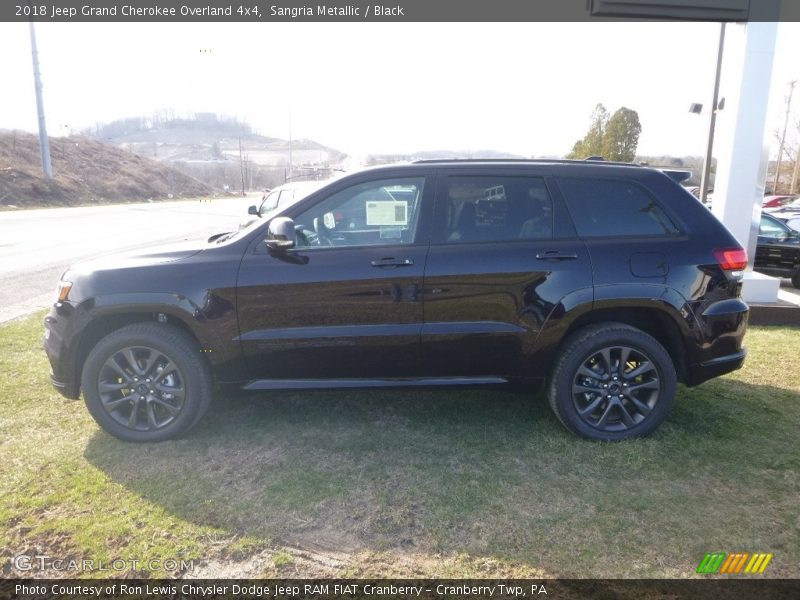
(207, 137)
(85, 171)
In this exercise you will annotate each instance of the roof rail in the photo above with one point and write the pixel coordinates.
(594, 159)
(518, 160)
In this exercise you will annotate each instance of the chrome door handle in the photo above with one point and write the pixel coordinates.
(555, 255)
(392, 262)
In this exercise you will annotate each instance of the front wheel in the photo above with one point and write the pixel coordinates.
(146, 382)
(612, 381)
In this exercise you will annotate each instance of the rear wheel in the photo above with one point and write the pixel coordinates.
(612, 381)
(146, 382)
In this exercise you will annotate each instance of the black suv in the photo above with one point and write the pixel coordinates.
(608, 283)
(778, 249)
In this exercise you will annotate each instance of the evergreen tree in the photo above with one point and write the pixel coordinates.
(622, 136)
(592, 142)
(614, 138)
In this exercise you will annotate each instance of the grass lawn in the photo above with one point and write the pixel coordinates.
(407, 483)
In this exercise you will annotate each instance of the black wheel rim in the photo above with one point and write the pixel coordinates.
(141, 388)
(616, 388)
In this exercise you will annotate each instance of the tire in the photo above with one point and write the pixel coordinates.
(146, 382)
(589, 401)
(796, 279)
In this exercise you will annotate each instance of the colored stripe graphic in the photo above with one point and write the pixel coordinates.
(758, 563)
(724, 563)
(734, 562)
(711, 562)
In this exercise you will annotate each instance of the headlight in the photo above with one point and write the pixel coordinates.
(63, 290)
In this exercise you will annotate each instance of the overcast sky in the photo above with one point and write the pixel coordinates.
(526, 88)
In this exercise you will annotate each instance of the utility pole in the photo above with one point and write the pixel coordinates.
(704, 180)
(241, 163)
(44, 144)
(796, 174)
(290, 145)
(783, 136)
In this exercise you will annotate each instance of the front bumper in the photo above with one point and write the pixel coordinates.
(60, 350)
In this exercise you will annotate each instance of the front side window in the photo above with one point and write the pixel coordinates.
(494, 209)
(383, 212)
(614, 208)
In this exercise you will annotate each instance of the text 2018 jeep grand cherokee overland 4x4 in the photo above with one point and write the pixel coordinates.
(607, 282)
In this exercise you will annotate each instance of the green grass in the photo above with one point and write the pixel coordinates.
(408, 483)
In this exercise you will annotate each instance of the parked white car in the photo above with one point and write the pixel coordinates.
(281, 197)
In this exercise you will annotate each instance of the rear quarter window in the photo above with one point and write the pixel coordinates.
(614, 208)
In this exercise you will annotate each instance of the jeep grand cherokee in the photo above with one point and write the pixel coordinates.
(605, 283)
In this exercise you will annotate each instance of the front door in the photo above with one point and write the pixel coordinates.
(346, 302)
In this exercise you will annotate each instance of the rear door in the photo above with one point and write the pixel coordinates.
(503, 256)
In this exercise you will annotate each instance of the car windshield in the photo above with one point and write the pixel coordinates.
(269, 203)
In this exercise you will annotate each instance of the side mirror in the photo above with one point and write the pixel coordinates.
(281, 235)
(253, 210)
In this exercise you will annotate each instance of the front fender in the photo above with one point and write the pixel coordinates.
(206, 322)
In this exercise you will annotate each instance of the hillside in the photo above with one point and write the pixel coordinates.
(380, 159)
(206, 147)
(84, 172)
(207, 137)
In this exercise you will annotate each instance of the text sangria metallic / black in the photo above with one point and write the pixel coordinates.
(605, 283)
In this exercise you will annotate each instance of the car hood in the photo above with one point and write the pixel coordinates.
(136, 257)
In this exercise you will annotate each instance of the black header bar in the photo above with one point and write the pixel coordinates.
(254, 11)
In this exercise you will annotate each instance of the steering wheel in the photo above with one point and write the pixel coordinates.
(323, 238)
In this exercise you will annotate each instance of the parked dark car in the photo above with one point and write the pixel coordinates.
(605, 283)
(778, 250)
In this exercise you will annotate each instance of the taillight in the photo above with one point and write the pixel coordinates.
(731, 259)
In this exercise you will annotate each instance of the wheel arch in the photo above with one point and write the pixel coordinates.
(100, 325)
(655, 322)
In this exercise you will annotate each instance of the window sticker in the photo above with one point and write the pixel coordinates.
(387, 212)
(329, 220)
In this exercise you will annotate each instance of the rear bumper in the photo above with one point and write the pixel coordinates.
(718, 346)
(716, 367)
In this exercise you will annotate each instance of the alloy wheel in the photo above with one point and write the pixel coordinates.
(141, 388)
(616, 388)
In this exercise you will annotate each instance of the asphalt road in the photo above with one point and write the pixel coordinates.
(36, 246)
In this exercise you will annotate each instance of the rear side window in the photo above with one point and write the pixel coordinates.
(611, 208)
(493, 209)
